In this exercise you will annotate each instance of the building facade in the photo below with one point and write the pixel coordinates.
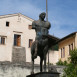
(16, 37)
(66, 44)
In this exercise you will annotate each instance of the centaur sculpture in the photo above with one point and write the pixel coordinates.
(40, 45)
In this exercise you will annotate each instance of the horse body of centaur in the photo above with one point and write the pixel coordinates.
(42, 49)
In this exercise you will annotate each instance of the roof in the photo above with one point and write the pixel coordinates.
(52, 40)
(17, 14)
(70, 35)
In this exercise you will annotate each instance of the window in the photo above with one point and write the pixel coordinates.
(30, 27)
(2, 40)
(62, 52)
(17, 40)
(72, 46)
(69, 49)
(7, 24)
(30, 42)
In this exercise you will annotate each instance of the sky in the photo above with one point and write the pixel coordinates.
(62, 14)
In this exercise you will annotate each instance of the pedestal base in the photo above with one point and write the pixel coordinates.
(45, 74)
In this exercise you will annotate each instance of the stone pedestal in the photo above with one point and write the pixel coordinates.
(45, 74)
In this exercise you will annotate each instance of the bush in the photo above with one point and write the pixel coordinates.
(73, 56)
(71, 69)
(50, 63)
(61, 62)
(65, 63)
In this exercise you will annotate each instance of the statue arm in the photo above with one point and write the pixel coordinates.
(49, 26)
(33, 25)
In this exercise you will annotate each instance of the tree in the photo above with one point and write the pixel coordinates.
(71, 69)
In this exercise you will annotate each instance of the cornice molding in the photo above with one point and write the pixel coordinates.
(17, 14)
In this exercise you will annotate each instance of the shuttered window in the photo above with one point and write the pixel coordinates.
(69, 49)
(2, 40)
(30, 42)
(62, 52)
(17, 40)
(72, 46)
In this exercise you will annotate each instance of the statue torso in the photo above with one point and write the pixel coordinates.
(42, 27)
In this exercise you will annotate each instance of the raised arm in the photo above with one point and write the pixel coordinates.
(34, 25)
(49, 26)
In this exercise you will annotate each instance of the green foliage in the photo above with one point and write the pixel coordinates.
(50, 63)
(56, 47)
(61, 62)
(71, 69)
(73, 56)
(65, 63)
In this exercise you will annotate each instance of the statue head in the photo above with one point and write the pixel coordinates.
(42, 16)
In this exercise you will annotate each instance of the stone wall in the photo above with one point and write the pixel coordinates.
(18, 54)
(8, 69)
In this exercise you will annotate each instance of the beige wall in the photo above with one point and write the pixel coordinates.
(53, 57)
(17, 25)
(65, 43)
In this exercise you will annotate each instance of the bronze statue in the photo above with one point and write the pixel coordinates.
(40, 45)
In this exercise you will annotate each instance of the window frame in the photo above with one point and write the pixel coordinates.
(63, 52)
(2, 40)
(30, 42)
(17, 40)
(69, 49)
(72, 46)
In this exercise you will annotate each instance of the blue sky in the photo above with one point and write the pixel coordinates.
(62, 14)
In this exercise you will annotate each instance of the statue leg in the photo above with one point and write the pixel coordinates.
(41, 62)
(44, 63)
(32, 72)
(45, 52)
(36, 45)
